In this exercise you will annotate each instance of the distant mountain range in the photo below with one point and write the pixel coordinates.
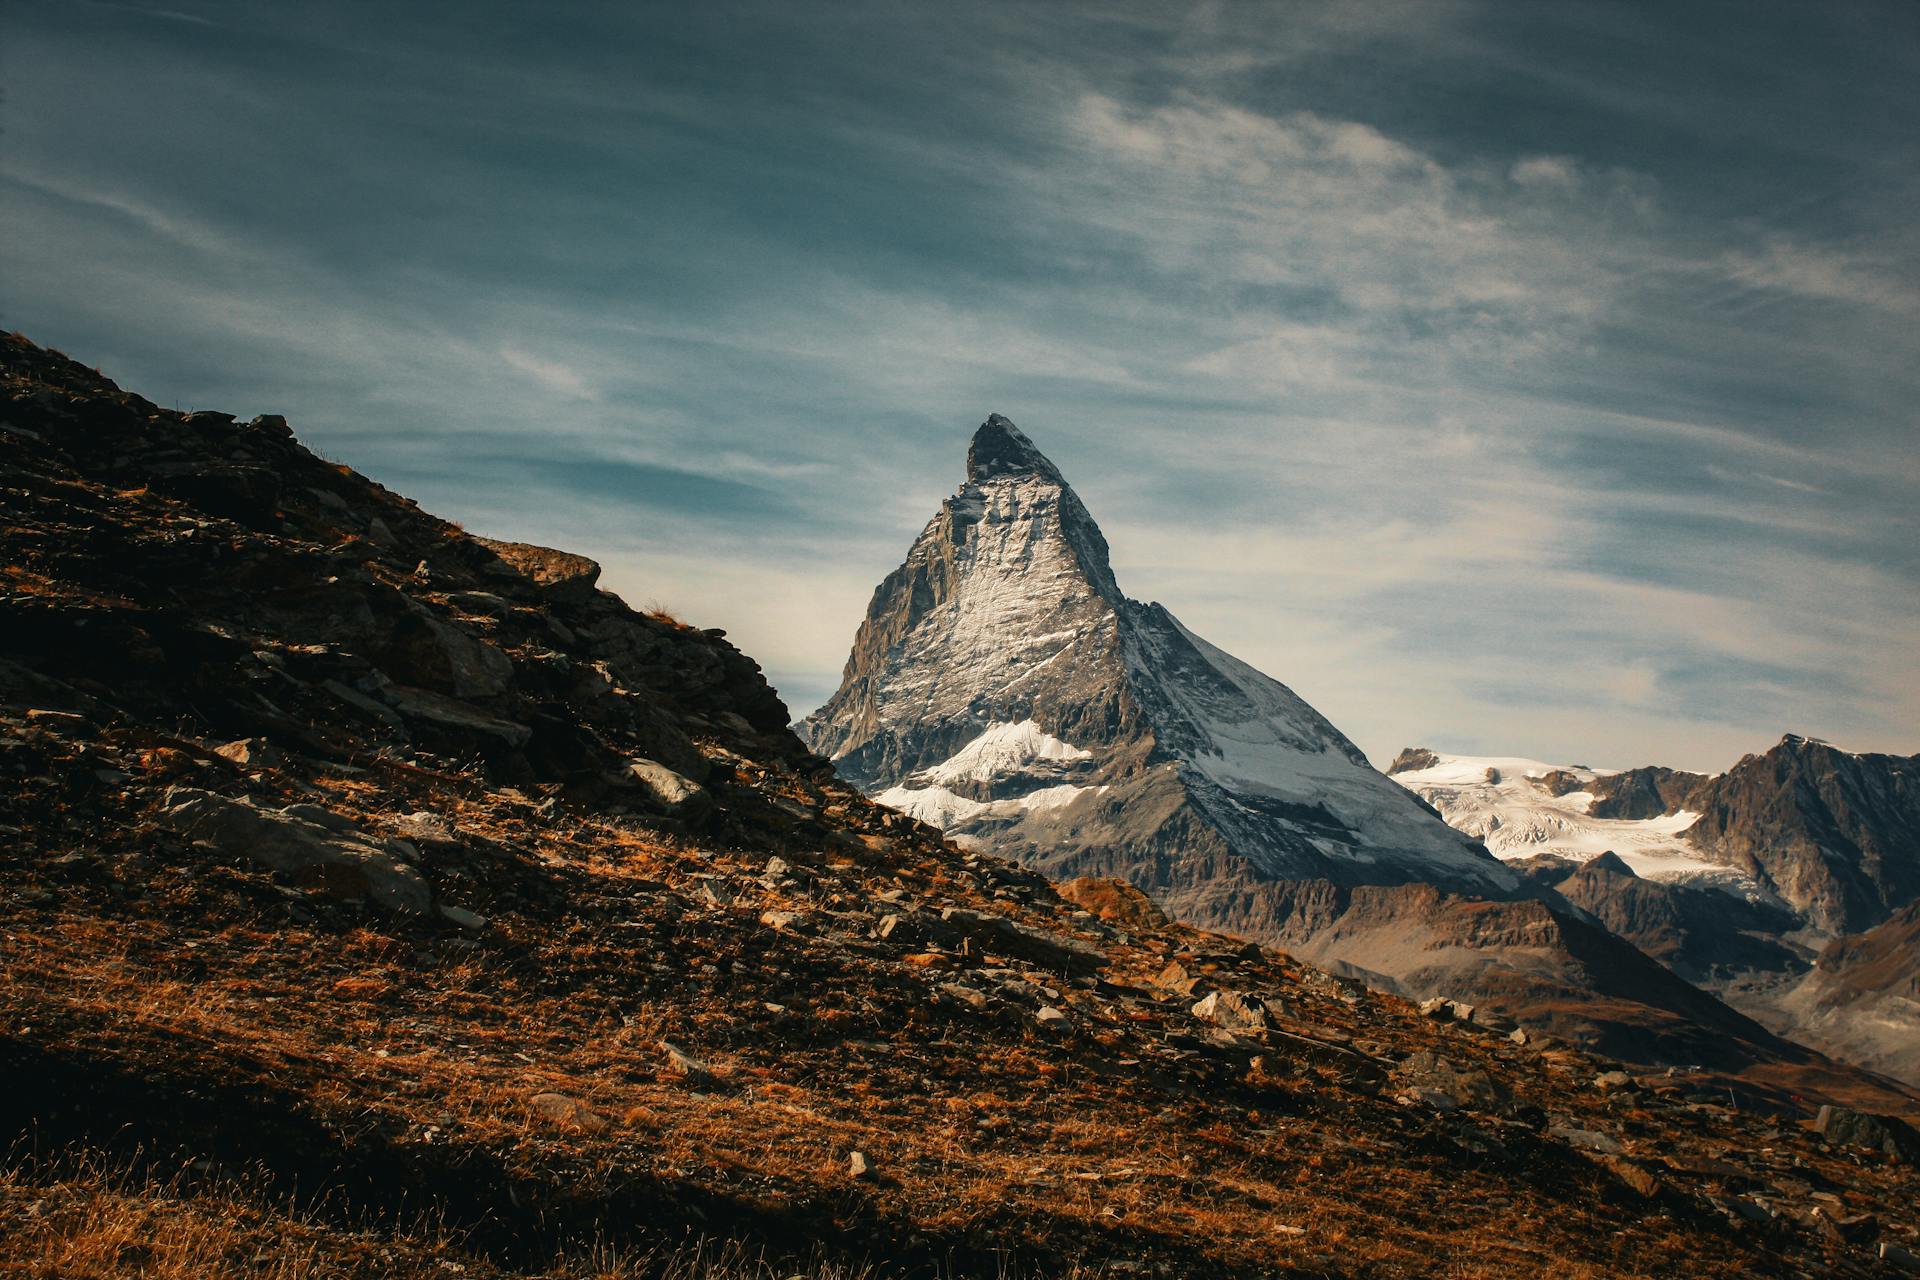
(1003, 688)
(1752, 883)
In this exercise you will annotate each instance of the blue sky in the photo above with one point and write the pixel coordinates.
(1537, 379)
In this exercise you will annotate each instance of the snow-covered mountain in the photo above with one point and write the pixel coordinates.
(1521, 808)
(1831, 834)
(1742, 882)
(1004, 688)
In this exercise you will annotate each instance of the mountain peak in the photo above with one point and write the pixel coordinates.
(1001, 449)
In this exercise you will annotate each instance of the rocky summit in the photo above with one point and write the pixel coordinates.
(1003, 688)
(377, 900)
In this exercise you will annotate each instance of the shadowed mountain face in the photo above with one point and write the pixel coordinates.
(1835, 834)
(1002, 687)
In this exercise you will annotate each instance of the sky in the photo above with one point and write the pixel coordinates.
(1507, 378)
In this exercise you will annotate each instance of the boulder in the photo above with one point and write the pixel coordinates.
(674, 794)
(1233, 1011)
(1114, 901)
(1844, 1127)
(301, 839)
(1466, 1087)
(560, 575)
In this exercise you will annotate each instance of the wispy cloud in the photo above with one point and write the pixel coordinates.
(1488, 390)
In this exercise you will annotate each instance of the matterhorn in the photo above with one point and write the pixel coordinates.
(1003, 688)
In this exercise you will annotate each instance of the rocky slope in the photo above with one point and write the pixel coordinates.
(1861, 1001)
(1003, 688)
(377, 901)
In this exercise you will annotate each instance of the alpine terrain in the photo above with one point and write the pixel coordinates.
(1004, 689)
(1786, 885)
(377, 900)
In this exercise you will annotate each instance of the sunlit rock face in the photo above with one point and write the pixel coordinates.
(1004, 688)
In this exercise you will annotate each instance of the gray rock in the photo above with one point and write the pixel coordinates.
(1887, 1134)
(1232, 1010)
(1586, 1140)
(1608, 1081)
(300, 838)
(857, 1166)
(428, 707)
(677, 795)
(464, 918)
(1051, 1018)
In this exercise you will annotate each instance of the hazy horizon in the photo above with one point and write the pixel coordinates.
(1521, 381)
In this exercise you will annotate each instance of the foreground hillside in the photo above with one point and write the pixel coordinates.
(377, 901)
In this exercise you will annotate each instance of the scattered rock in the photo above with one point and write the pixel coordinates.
(684, 1065)
(1609, 1081)
(1232, 1010)
(1051, 1018)
(857, 1167)
(676, 795)
(463, 918)
(1844, 1127)
(300, 839)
